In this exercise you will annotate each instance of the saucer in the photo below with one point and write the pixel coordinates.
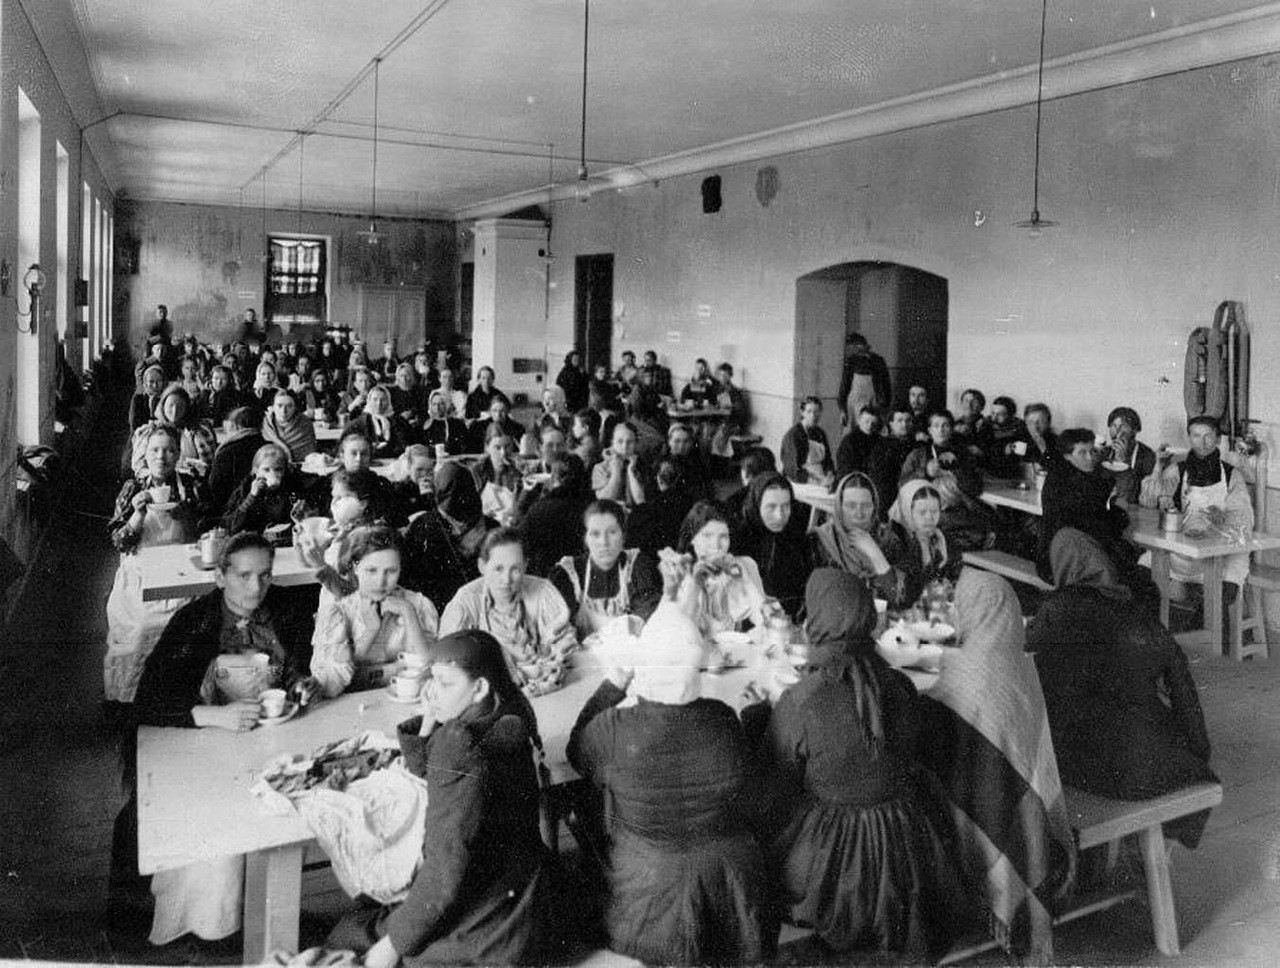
(391, 693)
(198, 562)
(290, 710)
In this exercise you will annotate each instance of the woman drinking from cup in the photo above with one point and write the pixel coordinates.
(480, 894)
(266, 498)
(159, 506)
(359, 637)
(718, 590)
(607, 580)
(362, 381)
(853, 539)
(287, 426)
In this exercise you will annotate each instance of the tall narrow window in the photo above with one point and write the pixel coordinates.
(89, 346)
(296, 283)
(58, 292)
(111, 275)
(97, 269)
(28, 340)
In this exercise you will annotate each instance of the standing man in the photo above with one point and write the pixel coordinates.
(865, 382)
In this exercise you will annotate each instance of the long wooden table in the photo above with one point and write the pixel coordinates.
(170, 571)
(1145, 531)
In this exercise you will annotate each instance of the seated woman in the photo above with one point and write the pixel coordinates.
(480, 894)
(725, 589)
(266, 381)
(526, 614)
(806, 452)
(358, 637)
(656, 524)
(444, 544)
(196, 441)
(857, 846)
(388, 434)
(286, 425)
(949, 464)
(160, 505)
(361, 382)
(547, 512)
(1125, 458)
(440, 429)
(683, 449)
(483, 394)
(701, 387)
(215, 656)
(620, 475)
(554, 414)
(320, 400)
(1005, 447)
(1040, 438)
(498, 477)
(143, 406)
(1123, 708)
(686, 880)
(413, 491)
(356, 500)
(408, 395)
(217, 401)
(190, 380)
(606, 580)
(267, 496)
(584, 440)
(915, 545)
(853, 539)
(358, 360)
(985, 742)
(777, 540)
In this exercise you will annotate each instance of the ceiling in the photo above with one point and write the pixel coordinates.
(203, 98)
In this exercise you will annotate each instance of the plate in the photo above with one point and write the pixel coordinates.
(290, 710)
(900, 652)
(396, 697)
(1115, 465)
(162, 505)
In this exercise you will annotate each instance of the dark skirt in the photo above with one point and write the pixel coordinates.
(696, 903)
(876, 878)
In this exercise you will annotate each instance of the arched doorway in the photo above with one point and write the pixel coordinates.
(901, 310)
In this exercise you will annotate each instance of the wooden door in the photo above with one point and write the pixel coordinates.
(593, 309)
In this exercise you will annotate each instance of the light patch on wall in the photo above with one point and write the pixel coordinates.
(673, 336)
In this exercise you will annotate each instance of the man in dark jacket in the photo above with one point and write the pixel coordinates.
(865, 382)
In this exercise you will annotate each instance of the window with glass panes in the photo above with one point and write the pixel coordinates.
(296, 273)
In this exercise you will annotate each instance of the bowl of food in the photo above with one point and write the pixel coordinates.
(932, 631)
(901, 648)
(542, 675)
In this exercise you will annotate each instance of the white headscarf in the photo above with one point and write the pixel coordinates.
(670, 656)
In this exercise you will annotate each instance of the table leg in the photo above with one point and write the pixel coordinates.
(1160, 574)
(272, 901)
(1213, 568)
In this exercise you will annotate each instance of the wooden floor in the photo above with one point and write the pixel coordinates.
(61, 787)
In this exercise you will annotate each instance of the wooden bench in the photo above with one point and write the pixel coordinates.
(1098, 821)
(1010, 566)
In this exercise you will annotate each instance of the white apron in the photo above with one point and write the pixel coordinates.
(595, 613)
(134, 626)
(1235, 568)
(813, 461)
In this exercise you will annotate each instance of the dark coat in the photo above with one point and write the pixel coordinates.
(479, 399)
(1123, 709)
(231, 463)
(576, 386)
(245, 511)
(175, 669)
(451, 432)
(1071, 498)
(795, 451)
(686, 877)
(402, 435)
(480, 894)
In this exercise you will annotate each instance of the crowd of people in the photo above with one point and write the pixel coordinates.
(493, 549)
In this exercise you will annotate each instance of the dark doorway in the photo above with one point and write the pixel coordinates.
(593, 309)
(901, 310)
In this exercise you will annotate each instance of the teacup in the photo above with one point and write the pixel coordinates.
(412, 663)
(160, 493)
(1020, 448)
(273, 701)
(406, 686)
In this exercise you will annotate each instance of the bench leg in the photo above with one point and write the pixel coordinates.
(272, 901)
(1164, 918)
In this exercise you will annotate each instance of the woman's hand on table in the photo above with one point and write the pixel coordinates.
(236, 717)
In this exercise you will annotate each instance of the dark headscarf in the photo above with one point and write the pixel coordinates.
(456, 495)
(783, 556)
(835, 535)
(841, 616)
(1078, 560)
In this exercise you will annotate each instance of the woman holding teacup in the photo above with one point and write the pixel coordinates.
(359, 638)
(160, 505)
(717, 589)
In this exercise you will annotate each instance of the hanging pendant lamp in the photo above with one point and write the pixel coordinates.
(583, 190)
(371, 234)
(1035, 223)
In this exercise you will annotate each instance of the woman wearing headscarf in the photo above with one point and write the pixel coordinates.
(284, 424)
(777, 539)
(142, 408)
(853, 538)
(549, 513)
(388, 433)
(196, 439)
(915, 544)
(441, 429)
(443, 546)
(1123, 708)
(858, 851)
(986, 739)
(555, 413)
(685, 875)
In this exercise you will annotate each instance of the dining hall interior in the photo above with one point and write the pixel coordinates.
(1041, 200)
